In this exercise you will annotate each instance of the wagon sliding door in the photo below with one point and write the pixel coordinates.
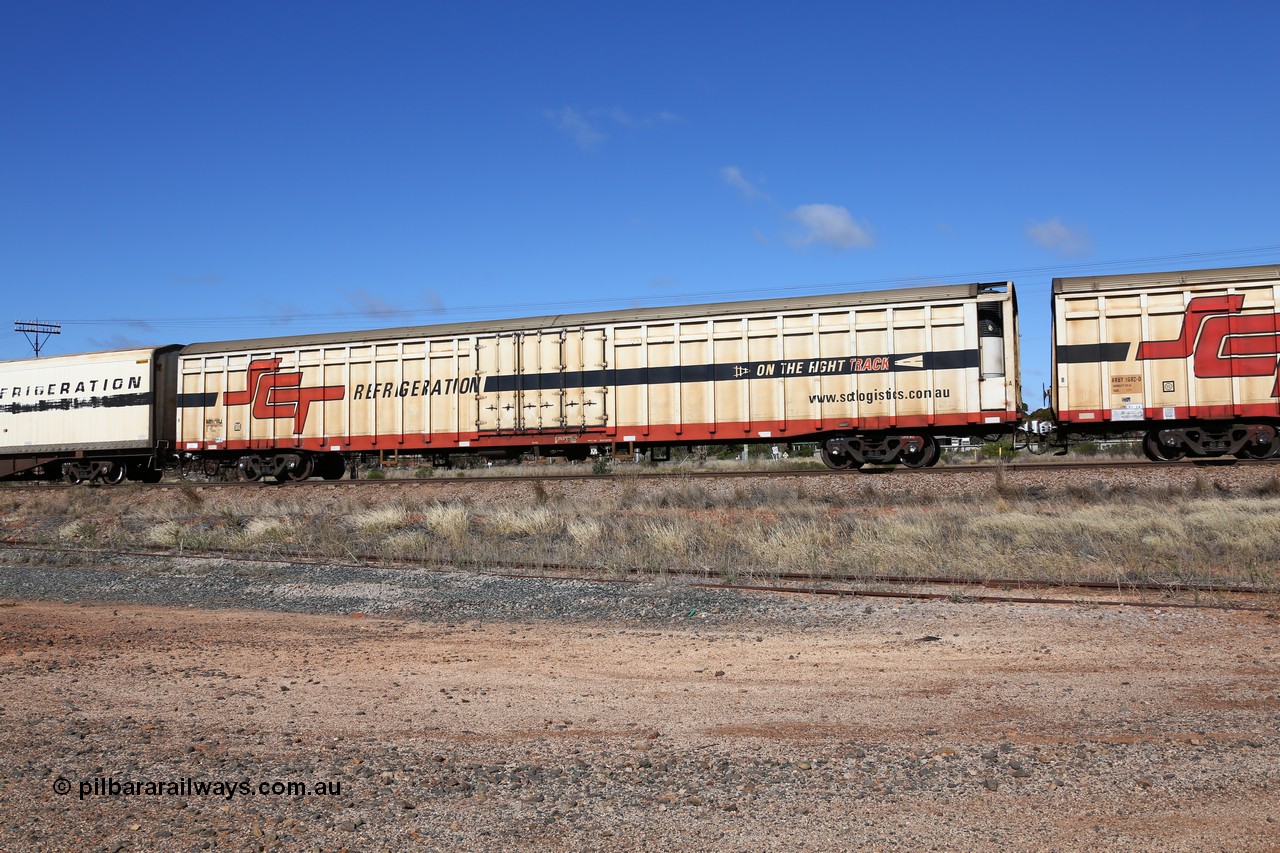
(541, 381)
(586, 382)
(498, 367)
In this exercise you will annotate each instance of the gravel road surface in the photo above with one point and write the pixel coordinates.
(176, 701)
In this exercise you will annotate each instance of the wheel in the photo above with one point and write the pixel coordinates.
(116, 474)
(302, 471)
(151, 475)
(332, 466)
(1259, 451)
(1158, 451)
(838, 460)
(924, 457)
(250, 469)
(70, 477)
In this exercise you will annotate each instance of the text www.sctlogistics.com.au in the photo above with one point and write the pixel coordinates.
(109, 786)
(880, 395)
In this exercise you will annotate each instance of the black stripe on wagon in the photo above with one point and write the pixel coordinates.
(115, 401)
(1092, 353)
(958, 359)
(196, 401)
(786, 369)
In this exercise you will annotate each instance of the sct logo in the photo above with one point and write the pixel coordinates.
(277, 394)
(1224, 342)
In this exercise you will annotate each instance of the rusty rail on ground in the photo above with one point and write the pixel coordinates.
(800, 584)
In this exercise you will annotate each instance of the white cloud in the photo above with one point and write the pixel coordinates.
(570, 121)
(368, 304)
(435, 301)
(1060, 239)
(626, 119)
(281, 312)
(116, 342)
(830, 224)
(372, 305)
(583, 126)
(204, 279)
(732, 176)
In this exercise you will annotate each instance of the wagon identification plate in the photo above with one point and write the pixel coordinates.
(1126, 384)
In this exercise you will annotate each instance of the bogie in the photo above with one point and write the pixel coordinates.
(1211, 441)
(1159, 449)
(922, 452)
(838, 457)
(330, 466)
(844, 452)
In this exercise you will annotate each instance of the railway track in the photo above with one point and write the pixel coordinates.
(904, 493)
(527, 475)
(1201, 596)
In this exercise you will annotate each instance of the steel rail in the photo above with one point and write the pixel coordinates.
(796, 577)
(582, 573)
(871, 471)
(994, 599)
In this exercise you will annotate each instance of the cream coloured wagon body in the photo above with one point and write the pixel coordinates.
(108, 405)
(1190, 356)
(919, 361)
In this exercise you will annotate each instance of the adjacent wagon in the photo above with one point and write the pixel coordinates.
(1187, 359)
(103, 416)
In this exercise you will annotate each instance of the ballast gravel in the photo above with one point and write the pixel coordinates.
(185, 704)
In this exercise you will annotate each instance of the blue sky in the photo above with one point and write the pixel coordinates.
(178, 172)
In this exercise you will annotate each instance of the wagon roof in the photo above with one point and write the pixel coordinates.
(71, 357)
(1172, 279)
(936, 293)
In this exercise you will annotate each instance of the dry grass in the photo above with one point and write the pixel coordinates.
(1195, 533)
(585, 533)
(166, 534)
(451, 523)
(380, 519)
(524, 521)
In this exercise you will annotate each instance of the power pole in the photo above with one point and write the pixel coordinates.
(34, 329)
